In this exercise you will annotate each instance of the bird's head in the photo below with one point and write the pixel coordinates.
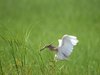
(47, 46)
(50, 47)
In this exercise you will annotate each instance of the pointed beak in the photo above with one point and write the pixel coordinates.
(42, 49)
(47, 46)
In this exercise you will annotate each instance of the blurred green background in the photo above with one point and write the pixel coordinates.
(28, 25)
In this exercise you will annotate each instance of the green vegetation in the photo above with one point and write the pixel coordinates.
(27, 25)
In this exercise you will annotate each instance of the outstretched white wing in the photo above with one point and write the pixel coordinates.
(65, 47)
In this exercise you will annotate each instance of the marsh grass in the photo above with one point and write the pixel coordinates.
(1, 68)
(28, 25)
(21, 57)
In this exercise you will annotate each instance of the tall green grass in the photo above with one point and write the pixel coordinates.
(27, 25)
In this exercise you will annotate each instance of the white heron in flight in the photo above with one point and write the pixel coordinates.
(65, 47)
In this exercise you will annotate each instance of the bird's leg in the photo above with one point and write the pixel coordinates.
(50, 47)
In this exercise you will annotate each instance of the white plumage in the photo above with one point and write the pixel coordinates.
(65, 47)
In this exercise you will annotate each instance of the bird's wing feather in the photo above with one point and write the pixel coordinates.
(60, 42)
(66, 45)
